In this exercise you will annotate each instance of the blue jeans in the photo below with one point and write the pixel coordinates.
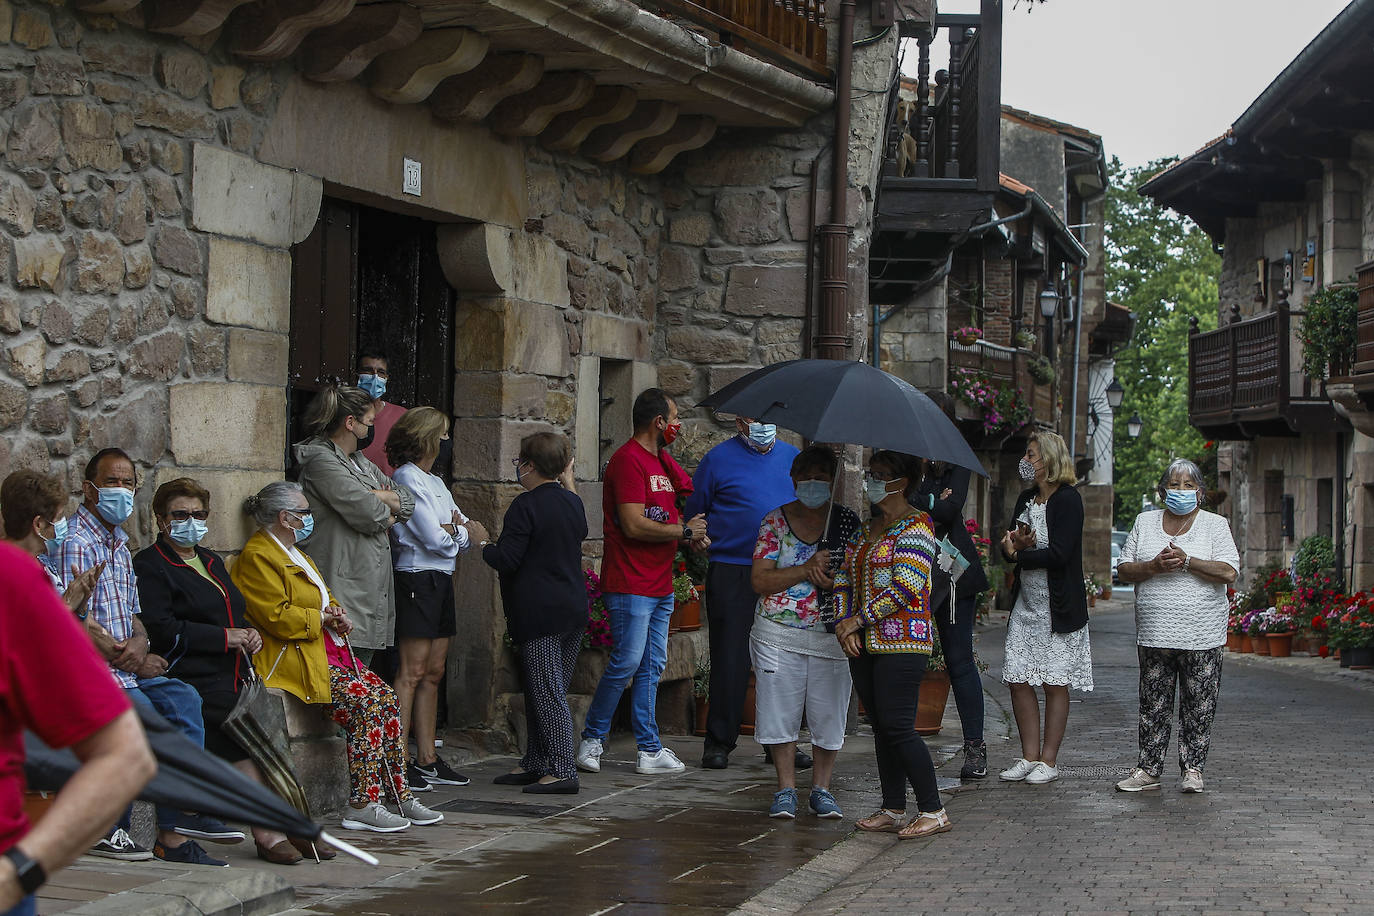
(639, 626)
(178, 703)
(25, 907)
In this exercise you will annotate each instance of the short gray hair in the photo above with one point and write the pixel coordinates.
(269, 502)
(1183, 466)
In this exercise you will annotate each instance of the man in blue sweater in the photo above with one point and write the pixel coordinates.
(736, 485)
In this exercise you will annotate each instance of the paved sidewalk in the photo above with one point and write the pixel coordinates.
(1285, 826)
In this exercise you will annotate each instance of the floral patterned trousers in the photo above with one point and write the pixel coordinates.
(371, 718)
(1197, 672)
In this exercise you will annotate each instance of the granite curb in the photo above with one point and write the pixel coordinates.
(208, 892)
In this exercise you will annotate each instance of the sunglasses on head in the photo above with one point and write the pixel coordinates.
(181, 515)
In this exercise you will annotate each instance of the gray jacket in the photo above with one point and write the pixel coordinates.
(350, 543)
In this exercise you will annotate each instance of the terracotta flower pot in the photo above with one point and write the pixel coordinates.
(1245, 645)
(686, 616)
(1260, 644)
(1232, 642)
(702, 705)
(930, 704)
(1280, 644)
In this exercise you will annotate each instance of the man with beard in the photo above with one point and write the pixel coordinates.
(643, 529)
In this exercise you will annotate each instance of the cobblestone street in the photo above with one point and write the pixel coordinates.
(1285, 826)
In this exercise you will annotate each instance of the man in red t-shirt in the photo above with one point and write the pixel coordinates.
(643, 529)
(53, 682)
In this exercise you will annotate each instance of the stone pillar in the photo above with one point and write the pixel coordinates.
(253, 214)
(1342, 229)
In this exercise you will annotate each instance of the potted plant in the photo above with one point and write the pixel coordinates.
(1025, 339)
(1004, 407)
(1040, 369)
(1254, 628)
(1234, 631)
(1357, 632)
(934, 691)
(967, 336)
(686, 599)
(701, 690)
(1279, 628)
(1328, 330)
(596, 639)
(1091, 588)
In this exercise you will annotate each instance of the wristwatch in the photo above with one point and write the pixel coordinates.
(687, 536)
(30, 874)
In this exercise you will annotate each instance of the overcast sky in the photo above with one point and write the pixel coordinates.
(1153, 77)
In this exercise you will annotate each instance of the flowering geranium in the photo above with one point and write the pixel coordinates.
(1278, 621)
(1252, 624)
(598, 633)
(1003, 406)
(1354, 627)
(968, 335)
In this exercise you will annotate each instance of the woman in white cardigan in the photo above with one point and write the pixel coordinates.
(424, 549)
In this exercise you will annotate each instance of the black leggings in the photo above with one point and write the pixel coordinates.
(888, 686)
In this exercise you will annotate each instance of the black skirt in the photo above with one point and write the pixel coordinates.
(424, 605)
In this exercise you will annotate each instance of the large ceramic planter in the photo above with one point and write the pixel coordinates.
(930, 704)
(1260, 644)
(1280, 644)
(1232, 642)
(1345, 655)
(686, 616)
(746, 727)
(701, 708)
(1245, 644)
(1361, 657)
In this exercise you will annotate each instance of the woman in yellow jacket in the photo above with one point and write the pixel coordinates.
(304, 653)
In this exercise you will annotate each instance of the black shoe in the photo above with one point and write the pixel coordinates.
(439, 773)
(516, 779)
(975, 760)
(803, 760)
(119, 845)
(567, 786)
(416, 779)
(200, 827)
(188, 853)
(715, 760)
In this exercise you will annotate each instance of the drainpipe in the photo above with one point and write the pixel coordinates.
(1078, 339)
(832, 342)
(809, 331)
(1338, 497)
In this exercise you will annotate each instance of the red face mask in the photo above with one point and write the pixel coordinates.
(670, 432)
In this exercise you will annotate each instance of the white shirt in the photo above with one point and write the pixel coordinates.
(1180, 610)
(420, 542)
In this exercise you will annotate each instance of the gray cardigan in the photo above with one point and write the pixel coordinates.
(350, 543)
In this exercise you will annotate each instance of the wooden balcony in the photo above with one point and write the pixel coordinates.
(1245, 380)
(788, 32)
(945, 181)
(1362, 372)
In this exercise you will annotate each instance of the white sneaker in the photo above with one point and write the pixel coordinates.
(1138, 781)
(1018, 770)
(1192, 781)
(664, 761)
(1042, 773)
(374, 817)
(589, 755)
(418, 814)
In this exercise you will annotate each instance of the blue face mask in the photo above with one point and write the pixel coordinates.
(115, 504)
(762, 436)
(876, 490)
(59, 534)
(374, 385)
(307, 526)
(188, 532)
(813, 493)
(1181, 502)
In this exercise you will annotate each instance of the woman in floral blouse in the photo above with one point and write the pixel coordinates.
(797, 663)
(882, 603)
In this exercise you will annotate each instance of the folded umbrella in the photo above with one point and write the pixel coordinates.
(189, 778)
(251, 725)
(832, 400)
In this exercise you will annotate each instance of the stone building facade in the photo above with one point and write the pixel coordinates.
(607, 214)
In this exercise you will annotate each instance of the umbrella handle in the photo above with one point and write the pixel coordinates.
(349, 848)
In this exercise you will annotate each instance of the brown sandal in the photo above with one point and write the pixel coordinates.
(892, 823)
(927, 823)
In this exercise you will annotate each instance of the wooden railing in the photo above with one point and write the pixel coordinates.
(791, 32)
(1364, 322)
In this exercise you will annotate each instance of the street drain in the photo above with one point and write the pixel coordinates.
(498, 809)
(1094, 772)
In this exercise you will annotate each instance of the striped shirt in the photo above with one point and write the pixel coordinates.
(114, 600)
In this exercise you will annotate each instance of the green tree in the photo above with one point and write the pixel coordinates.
(1162, 267)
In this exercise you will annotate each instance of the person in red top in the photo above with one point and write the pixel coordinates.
(53, 683)
(643, 529)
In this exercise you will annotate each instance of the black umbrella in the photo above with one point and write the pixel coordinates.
(832, 400)
(249, 723)
(189, 778)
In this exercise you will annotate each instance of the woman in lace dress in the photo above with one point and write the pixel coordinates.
(1183, 558)
(1047, 637)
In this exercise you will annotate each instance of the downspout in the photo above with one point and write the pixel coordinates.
(832, 342)
(1340, 500)
(808, 337)
(880, 318)
(1078, 339)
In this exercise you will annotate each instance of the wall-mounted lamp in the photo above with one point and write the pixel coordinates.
(1134, 425)
(1115, 393)
(1049, 302)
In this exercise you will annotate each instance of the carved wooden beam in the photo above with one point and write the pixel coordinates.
(652, 156)
(611, 141)
(274, 30)
(106, 6)
(472, 97)
(188, 18)
(410, 74)
(342, 51)
(608, 105)
(528, 113)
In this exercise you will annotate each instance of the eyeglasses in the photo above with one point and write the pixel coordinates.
(300, 513)
(516, 462)
(181, 515)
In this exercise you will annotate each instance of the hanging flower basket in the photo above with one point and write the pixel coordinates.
(967, 337)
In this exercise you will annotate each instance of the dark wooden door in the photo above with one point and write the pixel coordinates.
(368, 279)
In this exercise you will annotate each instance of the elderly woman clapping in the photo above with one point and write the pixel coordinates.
(1182, 558)
(304, 652)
